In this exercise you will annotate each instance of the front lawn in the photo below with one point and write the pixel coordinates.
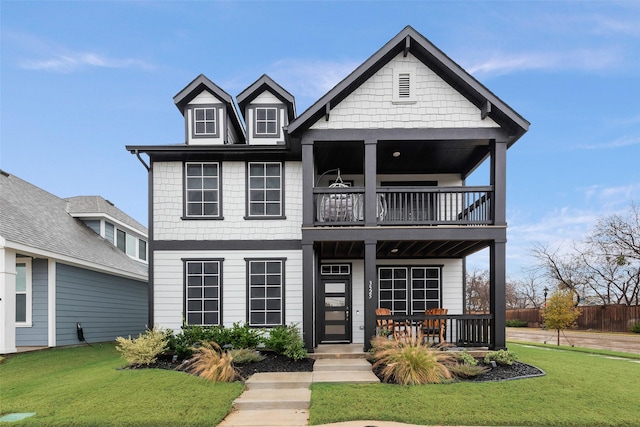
(82, 386)
(579, 389)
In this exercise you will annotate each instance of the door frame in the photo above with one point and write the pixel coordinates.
(320, 304)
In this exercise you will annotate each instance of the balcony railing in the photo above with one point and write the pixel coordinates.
(462, 330)
(406, 205)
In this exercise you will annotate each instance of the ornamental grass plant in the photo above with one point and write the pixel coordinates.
(212, 363)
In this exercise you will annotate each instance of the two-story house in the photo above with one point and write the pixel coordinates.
(319, 219)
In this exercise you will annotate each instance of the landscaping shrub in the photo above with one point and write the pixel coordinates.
(463, 370)
(212, 363)
(238, 336)
(465, 358)
(410, 362)
(286, 340)
(245, 355)
(516, 323)
(242, 336)
(501, 357)
(145, 349)
(636, 328)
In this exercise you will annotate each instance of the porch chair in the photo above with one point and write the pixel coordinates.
(384, 323)
(435, 327)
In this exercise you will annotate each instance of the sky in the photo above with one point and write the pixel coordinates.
(80, 80)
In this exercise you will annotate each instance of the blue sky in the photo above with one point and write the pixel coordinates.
(80, 80)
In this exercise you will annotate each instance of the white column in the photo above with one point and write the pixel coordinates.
(7, 299)
(51, 302)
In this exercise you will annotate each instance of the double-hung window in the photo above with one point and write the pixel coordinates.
(266, 292)
(409, 290)
(23, 292)
(266, 121)
(265, 192)
(204, 121)
(202, 192)
(203, 283)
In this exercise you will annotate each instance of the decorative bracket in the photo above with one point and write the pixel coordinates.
(407, 44)
(486, 110)
(327, 110)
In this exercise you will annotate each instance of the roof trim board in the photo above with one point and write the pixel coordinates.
(266, 83)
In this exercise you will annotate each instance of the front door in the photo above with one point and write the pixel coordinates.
(335, 309)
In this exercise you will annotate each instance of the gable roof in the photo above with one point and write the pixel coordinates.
(32, 219)
(200, 84)
(82, 206)
(266, 83)
(409, 40)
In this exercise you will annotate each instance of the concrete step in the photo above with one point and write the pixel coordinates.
(274, 380)
(320, 356)
(339, 351)
(260, 399)
(353, 377)
(341, 365)
(267, 418)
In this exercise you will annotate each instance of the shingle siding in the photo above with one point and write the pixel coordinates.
(438, 105)
(106, 306)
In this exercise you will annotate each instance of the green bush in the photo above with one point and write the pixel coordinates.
(286, 340)
(466, 359)
(193, 336)
(501, 357)
(145, 349)
(636, 328)
(516, 323)
(245, 355)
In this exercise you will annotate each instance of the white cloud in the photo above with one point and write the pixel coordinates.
(623, 141)
(72, 61)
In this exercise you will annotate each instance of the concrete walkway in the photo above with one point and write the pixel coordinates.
(614, 341)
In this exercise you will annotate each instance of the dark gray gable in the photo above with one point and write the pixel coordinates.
(266, 83)
(409, 40)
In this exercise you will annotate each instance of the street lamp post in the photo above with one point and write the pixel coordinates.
(545, 291)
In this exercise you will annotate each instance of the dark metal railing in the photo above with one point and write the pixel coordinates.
(462, 330)
(405, 205)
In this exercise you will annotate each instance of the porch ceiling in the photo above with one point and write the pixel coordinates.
(415, 157)
(403, 249)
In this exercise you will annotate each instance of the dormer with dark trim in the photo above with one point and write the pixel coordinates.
(267, 108)
(210, 115)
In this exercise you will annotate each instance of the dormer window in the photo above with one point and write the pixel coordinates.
(204, 121)
(266, 121)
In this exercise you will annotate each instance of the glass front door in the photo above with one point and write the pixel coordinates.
(335, 309)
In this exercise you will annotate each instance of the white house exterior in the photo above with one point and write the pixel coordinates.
(319, 219)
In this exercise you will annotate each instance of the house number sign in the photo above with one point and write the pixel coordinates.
(370, 289)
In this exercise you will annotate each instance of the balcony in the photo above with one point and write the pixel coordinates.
(405, 206)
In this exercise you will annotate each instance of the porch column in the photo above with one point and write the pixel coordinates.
(498, 306)
(7, 299)
(308, 280)
(307, 182)
(370, 194)
(499, 181)
(370, 292)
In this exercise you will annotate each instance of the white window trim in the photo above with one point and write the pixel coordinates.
(411, 99)
(276, 120)
(205, 121)
(28, 292)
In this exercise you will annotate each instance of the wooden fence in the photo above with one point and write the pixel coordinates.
(605, 318)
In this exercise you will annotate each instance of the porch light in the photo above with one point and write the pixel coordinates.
(394, 250)
(396, 154)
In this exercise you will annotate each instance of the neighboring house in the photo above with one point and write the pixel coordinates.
(64, 263)
(358, 203)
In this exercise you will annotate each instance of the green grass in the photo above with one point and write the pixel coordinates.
(580, 389)
(82, 386)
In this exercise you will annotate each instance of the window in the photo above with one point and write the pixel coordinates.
(142, 250)
(131, 245)
(23, 291)
(202, 190)
(204, 121)
(121, 240)
(108, 231)
(266, 121)
(266, 289)
(202, 292)
(409, 290)
(335, 269)
(265, 190)
(404, 84)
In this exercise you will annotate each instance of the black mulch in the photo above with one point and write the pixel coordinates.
(278, 363)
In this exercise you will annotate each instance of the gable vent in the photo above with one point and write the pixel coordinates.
(404, 86)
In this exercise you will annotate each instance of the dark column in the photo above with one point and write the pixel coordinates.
(498, 305)
(308, 280)
(370, 197)
(499, 181)
(307, 183)
(370, 292)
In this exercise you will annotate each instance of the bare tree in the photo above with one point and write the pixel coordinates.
(477, 291)
(529, 289)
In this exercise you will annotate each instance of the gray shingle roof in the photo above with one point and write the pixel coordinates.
(79, 205)
(35, 218)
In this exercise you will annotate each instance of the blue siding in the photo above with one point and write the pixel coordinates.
(106, 306)
(37, 335)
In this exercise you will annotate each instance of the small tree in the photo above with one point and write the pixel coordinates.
(561, 312)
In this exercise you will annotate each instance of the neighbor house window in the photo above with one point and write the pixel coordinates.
(409, 290)
(121, 240)
(265, 190)
(203, 281)
(266, 121)
(202, 192)
(23, 292)
(142, 250)
(204, 121)
(266, 292)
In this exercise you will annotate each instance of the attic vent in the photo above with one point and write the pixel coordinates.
(404, 86)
